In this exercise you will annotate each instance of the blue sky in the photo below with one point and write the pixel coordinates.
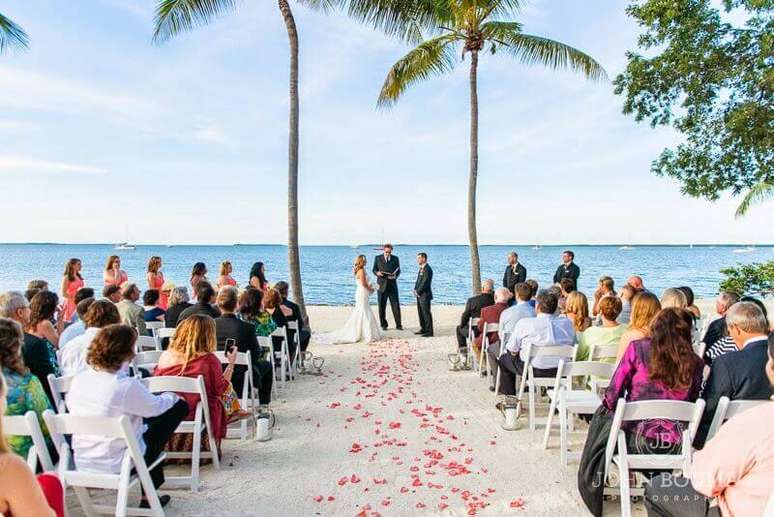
(105, 137)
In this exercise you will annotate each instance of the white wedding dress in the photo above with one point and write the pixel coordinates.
(362, 325)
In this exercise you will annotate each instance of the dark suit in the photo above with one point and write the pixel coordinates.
(388, 288)
(173, 313)
(472, 310)
(514, 275)
(199, 308)
(736, 375)
(303, 334)
(571, 271)
(229, 326)
(423, 288)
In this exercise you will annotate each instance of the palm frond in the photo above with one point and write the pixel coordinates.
(324, 6)
(176, 16)
(500, 31)
(503, 8)
(11, 35)
(408, 20)
(531, 49)
(430, 58)
(759, 193)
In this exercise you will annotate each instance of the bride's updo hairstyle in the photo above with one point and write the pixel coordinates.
(359, 264)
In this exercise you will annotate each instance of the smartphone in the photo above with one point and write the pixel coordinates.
(230, 344)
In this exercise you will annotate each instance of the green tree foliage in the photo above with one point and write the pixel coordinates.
(750, 279)
(713, 81)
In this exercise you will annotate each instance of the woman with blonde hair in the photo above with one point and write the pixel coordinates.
(225, 277)
(645, 306)
(673, 298)
(71, 282)
(577, 310)
(156, 281)
(113, 274)
(190, 354)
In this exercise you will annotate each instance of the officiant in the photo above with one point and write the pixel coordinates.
(387, 270)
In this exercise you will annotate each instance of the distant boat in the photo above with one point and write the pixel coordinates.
(748, 249)
(626, 248)
(125, 246)
(536, 247)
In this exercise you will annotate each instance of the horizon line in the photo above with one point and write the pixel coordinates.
(519, 245)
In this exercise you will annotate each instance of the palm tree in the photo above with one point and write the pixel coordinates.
(757, 194)
(476, 26)
(11, 35)
(176, 16)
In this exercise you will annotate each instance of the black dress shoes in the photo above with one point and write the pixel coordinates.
(399, 328)
(419, 332)
(427, 334)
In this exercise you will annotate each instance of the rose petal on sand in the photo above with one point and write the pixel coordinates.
(318, 498)
(354, 479)
(343, 481)
(420, 505)
(517, 503)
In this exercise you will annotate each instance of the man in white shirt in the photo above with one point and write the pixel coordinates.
(72, 356)
(79, 327)
(546, 329)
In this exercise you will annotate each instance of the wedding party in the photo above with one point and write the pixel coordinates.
(394, 257)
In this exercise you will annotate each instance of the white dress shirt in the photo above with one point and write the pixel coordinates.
(99, 393)
(72, 332)
(510, 316)
(542, 330)
(72, 357)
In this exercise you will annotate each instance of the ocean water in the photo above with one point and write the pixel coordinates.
(327, 277)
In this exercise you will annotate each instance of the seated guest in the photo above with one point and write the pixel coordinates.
(228, 326)
(112, 293)
(21, 494)
(113, 274)
(689, 299)
(661, 366)
(150, 301)
(190, 354)
(295, 315)
(577, 311)
(491, 314)
(673, 298)
(726, 343)
(605, 287)
(131, 313)
(205, 297)
(473, 310)
(545, 329)
(72, 357)
(251, 310)
(636, 283)
(178, 302)
(77, 328)
(272, 302)
(717, 330)
(738, 375)
(511, 316)
(609, 333)
(534, 285)
(225, 277)
(627, 297)
(645, 306)
(735, 468)
(34, 287)
(104, 389)
(44, 309)
(39, 355)
(24, 391)
(567, 286)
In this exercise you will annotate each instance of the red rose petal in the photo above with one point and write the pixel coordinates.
(318, 498)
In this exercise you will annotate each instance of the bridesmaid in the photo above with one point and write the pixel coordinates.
(71, 282)
(113, 274)
(258, 277)
(198, 274)
(156, 281)
(225, 277)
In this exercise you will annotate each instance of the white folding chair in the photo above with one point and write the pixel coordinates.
(165, 332)
(28, 425)
(283, 355)
(147, 360)
(265, 343)
(570, 401)
(483, 363)
(686, 412)
(472, 324)
(293, 325)
(246, 398)
(59, 388)
(534, 350)
(201, 422)
(728, 409)
(110, 429)
(603, 353)
(154, 326)
(146, 343)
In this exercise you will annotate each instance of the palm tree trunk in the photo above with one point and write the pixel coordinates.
(294, 261)
(475, 264)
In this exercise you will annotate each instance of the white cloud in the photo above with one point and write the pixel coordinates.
(213, 133)
(30, 165)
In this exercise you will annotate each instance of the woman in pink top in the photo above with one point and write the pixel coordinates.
(156, 280)
(113, 274)
(71, 282)
(225, 275)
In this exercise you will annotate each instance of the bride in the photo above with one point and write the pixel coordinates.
(362, 324)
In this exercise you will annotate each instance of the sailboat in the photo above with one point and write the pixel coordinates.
(125, 246)
(748, 249)
(626, 247)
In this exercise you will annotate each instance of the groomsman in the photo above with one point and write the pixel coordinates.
(515, 273)
(568, 269)
(387, 270)
(423, 290)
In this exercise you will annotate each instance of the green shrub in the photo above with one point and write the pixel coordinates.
(750, 279)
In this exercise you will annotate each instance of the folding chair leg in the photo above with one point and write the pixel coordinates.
(122, 501)
(85, 499)
(196, 452)
(549, 421)
(531, 407)
(563, 432)
(496, 373)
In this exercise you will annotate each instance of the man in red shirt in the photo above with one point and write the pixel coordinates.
(491, 314)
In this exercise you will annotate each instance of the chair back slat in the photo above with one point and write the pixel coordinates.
(551, 350)
(659, 409)
(586, 368)
(167, 332)
(728, 409)
(59, 388)
(109, 427)
(242, 358)
(177, 384)
(604, 352)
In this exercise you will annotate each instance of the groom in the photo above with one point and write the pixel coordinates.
(423, 290)
(387, 271)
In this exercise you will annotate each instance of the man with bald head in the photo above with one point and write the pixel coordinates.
(492, 314)
(635, 281)
(473, 310)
